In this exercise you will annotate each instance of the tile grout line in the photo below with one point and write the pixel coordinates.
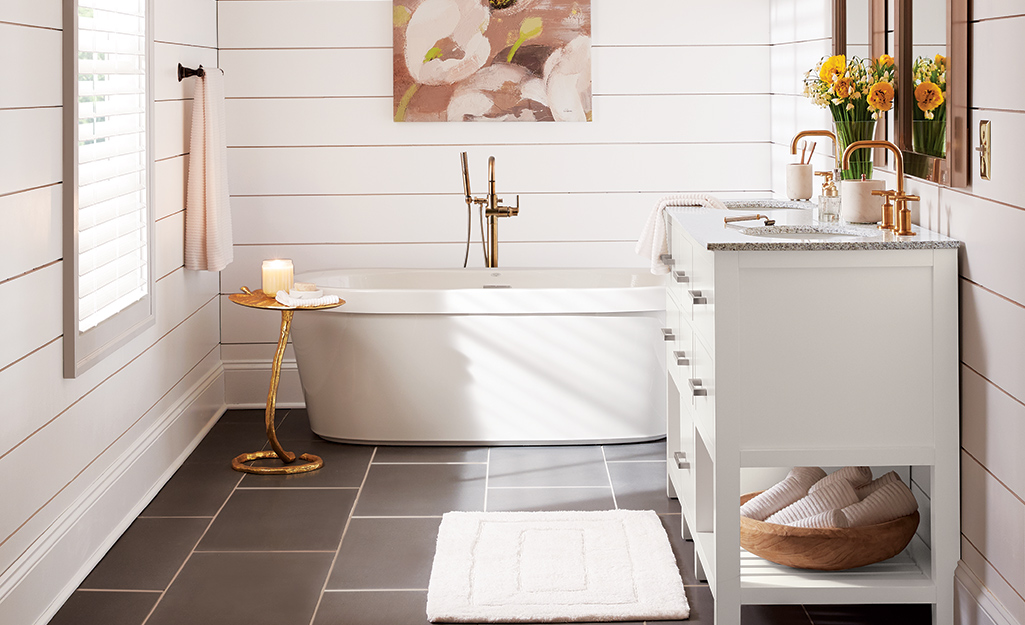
(192, 552)
(345, 530)
(608, 474)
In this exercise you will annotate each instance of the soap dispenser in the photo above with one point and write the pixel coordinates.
(829, 199)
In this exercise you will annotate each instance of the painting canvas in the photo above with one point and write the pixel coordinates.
(492, 60)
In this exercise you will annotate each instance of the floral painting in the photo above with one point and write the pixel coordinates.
(492, 60)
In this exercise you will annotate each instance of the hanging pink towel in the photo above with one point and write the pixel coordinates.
(207, 212)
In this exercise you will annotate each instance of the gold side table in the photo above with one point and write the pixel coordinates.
(257, 299)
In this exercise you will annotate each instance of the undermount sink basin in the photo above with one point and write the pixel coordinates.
(802, 232)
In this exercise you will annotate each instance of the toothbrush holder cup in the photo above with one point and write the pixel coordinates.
(799, 177)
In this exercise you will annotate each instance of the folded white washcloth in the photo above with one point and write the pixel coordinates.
(830, 519)
(652, 242)
(295, 302)
(891, 501)
(876, 484)
(794, 486)
(857, 476)
(838, 495)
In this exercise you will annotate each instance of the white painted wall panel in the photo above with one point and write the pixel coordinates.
(988, 9)
(680, 22)
(31, 232)
(790, 61)
(990, 326)
(325, 24)
(169, 180)
(1000, 533)
(192, 22)
(1008, 137)
(617, 119)
(556, 168)
(990, 85)
(799, 20)
(46, 13)
(173, 121)
(31, 326)
(32, 148)
(992, 429)
(25, 84)
(170, 244)
(994, 582)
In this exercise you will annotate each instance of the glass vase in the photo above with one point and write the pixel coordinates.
(847, 132)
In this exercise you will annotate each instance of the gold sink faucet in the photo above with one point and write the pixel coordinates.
(900, 198)
(814, 133)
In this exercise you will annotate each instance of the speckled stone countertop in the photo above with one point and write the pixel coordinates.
(794, 229)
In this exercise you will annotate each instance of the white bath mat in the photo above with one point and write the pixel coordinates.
(549, 567)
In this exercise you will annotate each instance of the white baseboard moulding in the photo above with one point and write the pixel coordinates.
(35, 587)
(246, 383)
(986, 601)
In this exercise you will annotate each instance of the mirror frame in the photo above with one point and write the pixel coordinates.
(952, 170)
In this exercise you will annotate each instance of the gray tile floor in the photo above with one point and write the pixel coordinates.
(353, 542)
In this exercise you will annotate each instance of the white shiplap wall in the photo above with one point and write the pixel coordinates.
(989, 217)
(78, 458)
(321, 174)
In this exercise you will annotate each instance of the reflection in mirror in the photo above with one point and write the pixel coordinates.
(929, 49)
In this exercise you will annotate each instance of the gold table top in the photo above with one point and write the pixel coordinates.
(258, 299)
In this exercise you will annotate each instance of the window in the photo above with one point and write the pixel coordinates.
(108, 224)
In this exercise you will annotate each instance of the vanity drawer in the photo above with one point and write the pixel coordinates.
(680, 348)
(701, 296)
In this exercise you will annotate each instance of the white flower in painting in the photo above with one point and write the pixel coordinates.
(445, 41)
(567, 77)
(500, 92)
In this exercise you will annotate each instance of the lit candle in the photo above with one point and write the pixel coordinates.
(277, 276)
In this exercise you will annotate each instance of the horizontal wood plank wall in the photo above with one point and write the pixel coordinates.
(321, 174)
(989, 218)
(59, 438)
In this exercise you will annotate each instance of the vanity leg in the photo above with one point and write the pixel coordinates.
(685, 529)
(699, 571)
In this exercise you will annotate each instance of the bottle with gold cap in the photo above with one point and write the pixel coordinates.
(829, 199)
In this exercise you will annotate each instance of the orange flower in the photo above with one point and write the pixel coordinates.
(941, 60)
(928, 96)
(885, 61)
(880, 96)
(833, 68)
(842, 87)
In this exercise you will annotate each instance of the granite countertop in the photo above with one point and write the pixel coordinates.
(795, 229)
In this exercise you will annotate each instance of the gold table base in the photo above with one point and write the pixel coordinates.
(311, 462)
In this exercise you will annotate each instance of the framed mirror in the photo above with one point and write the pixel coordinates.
(929, 40)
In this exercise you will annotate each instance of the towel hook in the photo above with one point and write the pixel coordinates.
(185, 72)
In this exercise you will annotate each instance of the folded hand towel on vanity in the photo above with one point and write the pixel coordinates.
(208, 243)
(876, 484)
(830, 519)
(890, 502)
(305, 302)
(839, 494)
(652, 242)
(857, 476)
(794, 486)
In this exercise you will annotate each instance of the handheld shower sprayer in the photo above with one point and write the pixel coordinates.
(490, 207)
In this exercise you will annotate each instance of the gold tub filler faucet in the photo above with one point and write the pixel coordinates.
(491, 208)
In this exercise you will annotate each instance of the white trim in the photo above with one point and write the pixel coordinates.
(982, 595)
(29, 590)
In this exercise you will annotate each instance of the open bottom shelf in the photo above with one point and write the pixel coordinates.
(901, 579)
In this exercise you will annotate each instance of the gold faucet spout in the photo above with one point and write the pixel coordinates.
(814, 133)
(898, 158)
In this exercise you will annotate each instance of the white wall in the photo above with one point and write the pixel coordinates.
(79, 458)
(321, 174)
(989, 217)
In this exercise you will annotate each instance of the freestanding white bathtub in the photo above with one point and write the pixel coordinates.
(485, 356)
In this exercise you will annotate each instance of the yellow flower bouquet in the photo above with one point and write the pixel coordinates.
(857, 93)
(929, 114)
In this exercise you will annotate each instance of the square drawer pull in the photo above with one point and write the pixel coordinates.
(681, 276)
(696, 298)
(668, 335)
(696, 388)
(681, 460)
(681, 359)
(667, 259)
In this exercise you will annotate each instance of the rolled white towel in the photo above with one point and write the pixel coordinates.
(890, 502)
(830, 519)
(834, 496)
(876, 484)
(857, 476)
(295, 302)
(793, 487)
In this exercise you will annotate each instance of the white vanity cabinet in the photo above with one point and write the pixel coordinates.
(828, 351)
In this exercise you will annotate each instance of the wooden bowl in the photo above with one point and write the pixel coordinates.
(826, 549)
